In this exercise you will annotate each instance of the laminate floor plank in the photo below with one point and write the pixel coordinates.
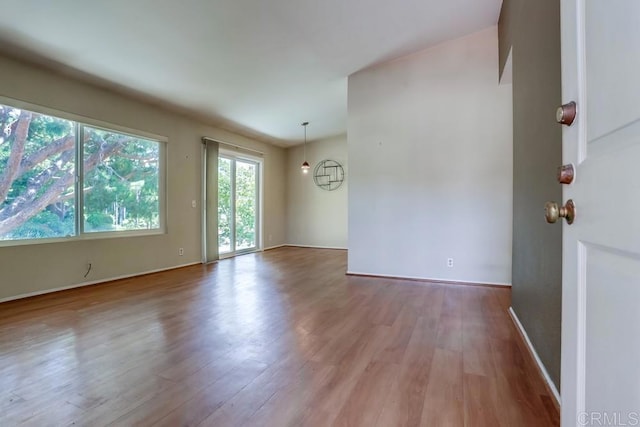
(405, 402)
(238, 410)
(286, 406)
(204, 403)
(349, 370)
(278, 338)
(367, 398)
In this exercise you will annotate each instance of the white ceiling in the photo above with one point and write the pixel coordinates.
(260, 67)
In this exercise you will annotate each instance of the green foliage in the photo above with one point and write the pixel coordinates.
(245, 204)
(43, 225)
(58, 218)
(224, 204)
(99, 220)
(123, 186)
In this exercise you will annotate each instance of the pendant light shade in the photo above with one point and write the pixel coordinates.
(305, 165)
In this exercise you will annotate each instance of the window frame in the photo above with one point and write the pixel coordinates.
(80, 122)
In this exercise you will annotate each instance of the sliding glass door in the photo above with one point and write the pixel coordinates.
(238, 192)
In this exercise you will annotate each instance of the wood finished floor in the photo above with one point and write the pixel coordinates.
(281, 338)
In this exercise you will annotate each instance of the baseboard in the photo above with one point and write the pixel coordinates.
(273, 247)
(293, 245)
(543, 371)
(430, 280)
(95, 282)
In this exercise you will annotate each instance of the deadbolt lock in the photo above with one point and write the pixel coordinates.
(566, 114)
(553, 212)
(566, 173)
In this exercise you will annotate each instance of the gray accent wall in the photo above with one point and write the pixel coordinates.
(532, 30)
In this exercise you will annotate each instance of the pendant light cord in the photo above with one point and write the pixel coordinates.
(305, 165)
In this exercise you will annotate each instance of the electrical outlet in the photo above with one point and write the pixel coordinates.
(180, 251)
(449, 262)
(270, 237)
(193, 203)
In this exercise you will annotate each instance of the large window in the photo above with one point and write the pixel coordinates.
(53, 168)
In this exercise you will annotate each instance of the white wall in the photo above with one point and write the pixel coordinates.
(316, 217)
(430, 153)
(36, 268)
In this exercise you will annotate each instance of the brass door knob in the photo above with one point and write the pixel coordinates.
(553, 212)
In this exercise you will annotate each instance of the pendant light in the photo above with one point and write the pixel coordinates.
(305, 166)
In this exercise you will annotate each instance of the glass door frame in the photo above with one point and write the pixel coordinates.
(258, 162)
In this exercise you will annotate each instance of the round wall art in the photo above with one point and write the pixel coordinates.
(328, 175)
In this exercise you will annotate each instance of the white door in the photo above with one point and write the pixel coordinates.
(601, 249)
